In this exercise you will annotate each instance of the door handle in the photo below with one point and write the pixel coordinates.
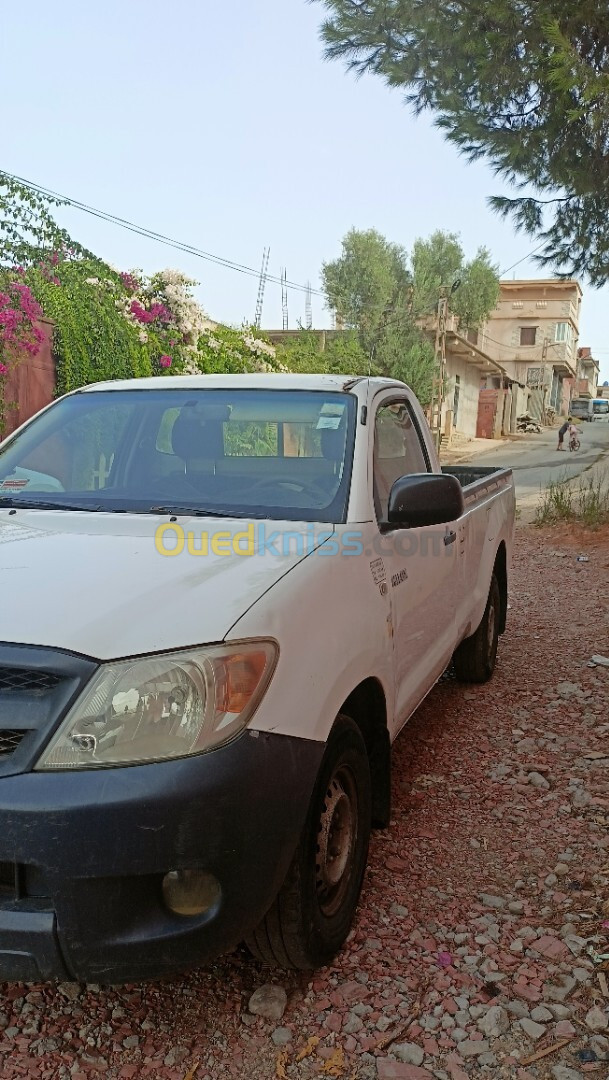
(449, 538)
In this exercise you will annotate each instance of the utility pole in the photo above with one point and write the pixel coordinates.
(308, 307)
(261, 287)
(544, 357)
(439, 379)
(284, 298)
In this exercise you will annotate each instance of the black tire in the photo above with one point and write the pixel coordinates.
(474, 659)
(314, 909)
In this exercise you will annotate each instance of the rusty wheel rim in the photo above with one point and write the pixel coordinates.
(336, 836)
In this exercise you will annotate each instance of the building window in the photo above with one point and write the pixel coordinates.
(528, 335)
(535, 377)
(562, 330)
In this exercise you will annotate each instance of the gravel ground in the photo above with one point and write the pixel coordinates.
(484, 920)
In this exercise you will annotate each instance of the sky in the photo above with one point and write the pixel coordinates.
(220, 125)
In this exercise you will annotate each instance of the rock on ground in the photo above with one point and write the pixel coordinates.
(268, 1001)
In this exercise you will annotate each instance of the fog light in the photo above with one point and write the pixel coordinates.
(190, 892)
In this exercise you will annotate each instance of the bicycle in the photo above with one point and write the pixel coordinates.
(574, 443)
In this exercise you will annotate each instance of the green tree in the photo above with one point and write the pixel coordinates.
(308, 354)
(440, 262)
(436, 263)
(387, 297)
(345, 356)
(404, 352)
(369, 279)
(522, 83)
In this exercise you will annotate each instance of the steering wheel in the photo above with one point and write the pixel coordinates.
(308, 487)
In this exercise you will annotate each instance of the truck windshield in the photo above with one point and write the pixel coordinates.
(277, 454)
(601, 408)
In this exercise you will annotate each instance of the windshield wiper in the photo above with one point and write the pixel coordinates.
(193, 511)
(11, 502)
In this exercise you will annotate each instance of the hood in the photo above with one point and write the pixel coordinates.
(97, 583)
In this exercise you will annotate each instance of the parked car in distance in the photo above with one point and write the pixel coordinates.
(590, 409)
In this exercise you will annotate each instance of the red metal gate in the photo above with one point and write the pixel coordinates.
(487, 414)
(30, 383)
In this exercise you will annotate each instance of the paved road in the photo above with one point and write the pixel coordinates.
(535, 460)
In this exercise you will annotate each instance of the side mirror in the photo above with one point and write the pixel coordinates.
(424, 499)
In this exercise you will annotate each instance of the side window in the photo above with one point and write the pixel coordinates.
(398, 451)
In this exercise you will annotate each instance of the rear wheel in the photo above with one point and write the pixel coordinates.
(314, 909)
(474, 659)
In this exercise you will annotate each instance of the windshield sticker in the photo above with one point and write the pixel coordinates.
(14, 485)
(328, 422)
(331, 408)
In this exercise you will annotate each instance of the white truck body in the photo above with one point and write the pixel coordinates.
(356, 611)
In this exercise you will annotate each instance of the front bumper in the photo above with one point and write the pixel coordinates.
(90, 848)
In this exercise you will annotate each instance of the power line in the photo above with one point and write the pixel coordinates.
(178, 245)
(150, 234)
(523, 259)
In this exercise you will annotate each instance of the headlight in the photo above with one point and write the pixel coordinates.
(161, 707)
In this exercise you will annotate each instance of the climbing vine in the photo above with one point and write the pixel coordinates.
(107, 324)
(92, 341)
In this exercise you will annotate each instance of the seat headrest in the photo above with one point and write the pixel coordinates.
(193, 438)
(333, 443)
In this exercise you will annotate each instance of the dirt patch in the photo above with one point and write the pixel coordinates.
(573, 538)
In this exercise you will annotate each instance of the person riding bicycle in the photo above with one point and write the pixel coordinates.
(573, 437)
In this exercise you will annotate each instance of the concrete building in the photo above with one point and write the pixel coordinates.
(533, 333)
(588, 372)
(470, 375)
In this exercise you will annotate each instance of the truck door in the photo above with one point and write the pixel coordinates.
(420, 564)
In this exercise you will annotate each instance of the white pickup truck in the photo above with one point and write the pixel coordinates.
(220, 600)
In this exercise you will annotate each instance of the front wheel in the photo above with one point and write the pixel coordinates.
(474, 659)
(314, 909)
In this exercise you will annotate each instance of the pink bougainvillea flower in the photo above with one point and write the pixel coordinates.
(19, 310)
(130, 282)
(139, 312)
(160, 312)
(3, 368)
(165, 361)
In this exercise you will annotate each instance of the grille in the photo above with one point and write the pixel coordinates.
(9, 741)
(15, 680)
